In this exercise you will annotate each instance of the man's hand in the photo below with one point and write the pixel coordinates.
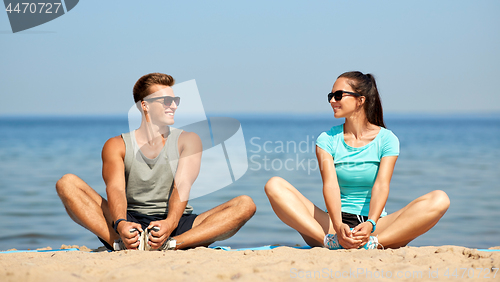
(131, 240)
(362, 232)
(346, 238)
(157, 238)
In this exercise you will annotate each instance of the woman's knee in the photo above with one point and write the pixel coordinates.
(273, 186)
(439, 200)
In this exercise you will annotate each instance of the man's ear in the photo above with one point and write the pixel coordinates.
(144, 106)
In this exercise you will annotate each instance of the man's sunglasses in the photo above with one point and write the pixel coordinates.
(339, 94)
(167, 100)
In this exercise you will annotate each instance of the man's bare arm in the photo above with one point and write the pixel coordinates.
(113, 173)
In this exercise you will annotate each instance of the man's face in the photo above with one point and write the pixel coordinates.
(159, 112)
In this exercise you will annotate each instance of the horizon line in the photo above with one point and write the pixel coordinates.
(492, 114)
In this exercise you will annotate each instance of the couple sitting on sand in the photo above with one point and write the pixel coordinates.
(147, 210)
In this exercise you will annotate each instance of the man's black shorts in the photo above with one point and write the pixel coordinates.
(185, 223)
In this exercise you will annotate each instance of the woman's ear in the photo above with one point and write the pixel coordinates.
(361, 101)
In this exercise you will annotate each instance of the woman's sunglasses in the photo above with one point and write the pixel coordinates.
(167, 100)
(339, 94)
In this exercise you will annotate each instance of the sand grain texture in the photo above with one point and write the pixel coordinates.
(280, 264)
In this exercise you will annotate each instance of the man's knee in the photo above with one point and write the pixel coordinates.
(65, 183)
(246, 204)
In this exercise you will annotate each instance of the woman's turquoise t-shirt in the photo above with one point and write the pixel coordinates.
(357, 168)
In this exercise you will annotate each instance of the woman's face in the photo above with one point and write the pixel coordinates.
(348, 104)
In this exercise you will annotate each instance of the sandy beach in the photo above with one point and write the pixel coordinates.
(279, 264)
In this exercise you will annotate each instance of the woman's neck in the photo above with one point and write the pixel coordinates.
(357, 125)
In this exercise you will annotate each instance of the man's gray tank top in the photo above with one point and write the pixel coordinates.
(149, 182)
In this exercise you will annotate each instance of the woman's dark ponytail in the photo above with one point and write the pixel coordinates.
(366, 86)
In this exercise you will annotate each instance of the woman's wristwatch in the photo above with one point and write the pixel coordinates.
(373, 223)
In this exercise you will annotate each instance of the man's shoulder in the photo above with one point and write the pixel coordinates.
(188, 136)
(116, 141)
(189, 140)
(114, 144)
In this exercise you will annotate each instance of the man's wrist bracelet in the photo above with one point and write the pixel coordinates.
(115, 224)
(373, 223)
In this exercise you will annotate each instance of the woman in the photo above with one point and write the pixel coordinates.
(356, 161)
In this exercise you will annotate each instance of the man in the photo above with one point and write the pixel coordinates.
(148, 175)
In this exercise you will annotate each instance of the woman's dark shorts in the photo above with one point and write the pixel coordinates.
(352, 220)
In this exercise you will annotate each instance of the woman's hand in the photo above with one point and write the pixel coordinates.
(362, 233)
(346, 238)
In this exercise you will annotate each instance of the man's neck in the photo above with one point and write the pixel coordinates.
(151, 133)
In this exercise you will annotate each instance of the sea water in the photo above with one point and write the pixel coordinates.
(459, 155)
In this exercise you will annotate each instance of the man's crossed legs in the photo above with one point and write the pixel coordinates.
(87, 208)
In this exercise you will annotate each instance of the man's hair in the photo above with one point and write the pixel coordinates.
(141, 87)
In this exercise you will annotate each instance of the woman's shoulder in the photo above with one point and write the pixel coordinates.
(387, 133)
(328, 140)
(388, 138)
(335, 130)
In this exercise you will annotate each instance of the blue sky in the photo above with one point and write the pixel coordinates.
(429, 57)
